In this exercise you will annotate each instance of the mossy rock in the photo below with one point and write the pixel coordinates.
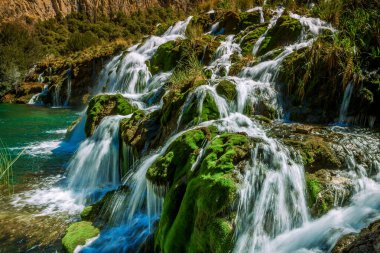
(93, 212)
(192, 115)
(198, 212)
(106, 105)
(132, 131)
(165, 58)
(248, 19)
(227, 89)
(179, 157)
(326, 190)
(286, 31)
(316, 153)
(251, 38)
(77, 234)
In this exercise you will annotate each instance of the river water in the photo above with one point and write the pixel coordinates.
(34, 218)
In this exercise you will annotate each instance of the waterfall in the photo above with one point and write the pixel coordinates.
(345, 103)
(68, 92)
(96, 163)
(272, 198)
(272, 214)
(272, 22)
(220, 66)
(128, 72)
(57, 96)
(37, 98)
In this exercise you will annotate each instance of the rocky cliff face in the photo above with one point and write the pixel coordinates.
(27, 10)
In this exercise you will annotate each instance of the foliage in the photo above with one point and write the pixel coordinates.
(19, 49)
(79, 41)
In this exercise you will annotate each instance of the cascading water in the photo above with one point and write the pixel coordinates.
(345, 103)
(68, 91)
(272, 207)
(272, 22)
(37, 99)
(96, 163)
(128, 72)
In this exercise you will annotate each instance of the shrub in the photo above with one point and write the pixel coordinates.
(79, 41)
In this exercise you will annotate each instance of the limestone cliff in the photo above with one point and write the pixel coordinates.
(29, 10)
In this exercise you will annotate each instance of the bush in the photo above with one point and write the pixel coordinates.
(79, 41)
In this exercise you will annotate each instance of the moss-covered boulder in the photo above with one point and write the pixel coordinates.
(250, 38)
(248, 19)
(194, 113)
(286, 31)
(165, 57)
(199, 210)
(227, 89)
(313, 88)
(77, 234)
(179, 157)
(326, 190)
(106, 105)
(316, 153)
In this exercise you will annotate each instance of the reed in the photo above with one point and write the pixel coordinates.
(6, 167)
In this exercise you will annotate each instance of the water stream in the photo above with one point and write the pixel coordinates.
(272, 213)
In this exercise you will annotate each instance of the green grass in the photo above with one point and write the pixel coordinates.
(6, 169)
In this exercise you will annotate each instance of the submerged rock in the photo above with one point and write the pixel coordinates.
(106, 105)
(77, 234)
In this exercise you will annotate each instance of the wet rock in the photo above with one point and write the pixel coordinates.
(140, 131)
(326, 190)
(286, 31)
(105, 105)
(23, 93)
(367, 241)
(227, 89)
(198, 212)
(250, 37)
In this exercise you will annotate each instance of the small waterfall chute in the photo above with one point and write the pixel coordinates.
(345, 103)
(96, 163)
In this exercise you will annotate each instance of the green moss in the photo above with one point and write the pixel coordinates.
(179, 158)
(227, 89)
(286, 30)
(251, 38)
(209, 111)
(313, 189)
(77, 234)
(198, 209)
(106, 105)
(316, 153)
(165, 58)
(85, 214)
(248, 19)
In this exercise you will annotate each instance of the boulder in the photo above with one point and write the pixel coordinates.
(77, 234)
(105, 105)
